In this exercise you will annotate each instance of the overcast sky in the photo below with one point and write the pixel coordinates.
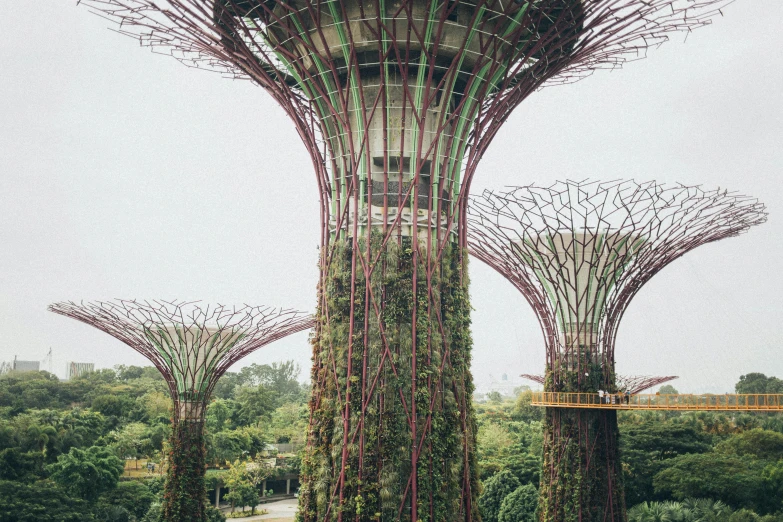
(126, 174)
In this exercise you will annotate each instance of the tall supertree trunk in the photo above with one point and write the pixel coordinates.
(184, 491)
(581, 479)
(391, 416)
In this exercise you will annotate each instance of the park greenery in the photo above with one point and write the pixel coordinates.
(79, 450)
(83, 450)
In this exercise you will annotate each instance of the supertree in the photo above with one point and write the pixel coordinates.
(624, 383)
(192, 346)
(579, 252)
(396, 101)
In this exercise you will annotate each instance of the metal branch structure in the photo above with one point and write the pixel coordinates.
(396, 101)
(624, 383)
(579, 252)
(192, 346)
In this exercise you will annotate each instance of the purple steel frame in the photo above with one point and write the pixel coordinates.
(579, 252)
(191, 345)
(645, 226)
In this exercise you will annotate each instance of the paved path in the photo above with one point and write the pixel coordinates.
(280, 511)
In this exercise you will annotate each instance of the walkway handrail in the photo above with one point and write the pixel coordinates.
(655, 401)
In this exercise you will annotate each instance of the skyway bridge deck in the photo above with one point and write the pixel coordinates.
(652, 401)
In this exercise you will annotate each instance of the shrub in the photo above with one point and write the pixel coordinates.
(520, 506)
(497, 487)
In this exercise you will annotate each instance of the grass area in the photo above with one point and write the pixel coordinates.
(138, 469)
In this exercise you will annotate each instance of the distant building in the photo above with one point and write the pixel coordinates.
(26, 366)
(77, 369)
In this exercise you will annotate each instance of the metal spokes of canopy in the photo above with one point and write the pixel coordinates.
(191, 344)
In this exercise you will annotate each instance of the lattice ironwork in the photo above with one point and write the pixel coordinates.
(192, 345)
(579, 252)
(396, 102)
(625, 383)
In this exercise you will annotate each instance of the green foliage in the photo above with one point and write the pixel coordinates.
(280, 378)
(112, 405)
(523, 410)
(40, 502)
(214, 515)
(759, 383)
(243, 480)
(218, 414)
(19, 466)
(496, 447)
(656, 512)
(736, 481)
(741, 461)
(127, 373)
(243, 494)
(507, 444)
(135, 373)
(136, 400)
(496, 489)
(668, 389)
(132, 441)
(87, 473)
(744, 515)
(254, 405)
(495, 397)
(757, 443)
(153, 513)
(520, 506)
(289, 423)
(646, 448)
(39, 390)
(135, 497)
(692, 510)
(110, 513)
(440, 350)
(184, 492)
(773, 486)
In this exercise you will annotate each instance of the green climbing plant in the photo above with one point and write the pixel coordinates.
(378, 454)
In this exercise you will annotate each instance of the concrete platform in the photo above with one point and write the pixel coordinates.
(279, 511)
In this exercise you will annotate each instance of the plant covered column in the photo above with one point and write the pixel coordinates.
(184, 490)
(581, 477)
(192, 346)
(392, 423)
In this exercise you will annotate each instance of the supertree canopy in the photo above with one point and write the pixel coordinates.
(578, 253)
(396, 101)
(192, 346)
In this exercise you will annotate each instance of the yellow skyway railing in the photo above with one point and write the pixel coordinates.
(653, 401)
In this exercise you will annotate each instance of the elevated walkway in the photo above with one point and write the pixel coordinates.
(651, 401)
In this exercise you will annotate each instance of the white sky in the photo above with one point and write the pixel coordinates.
(125, 174)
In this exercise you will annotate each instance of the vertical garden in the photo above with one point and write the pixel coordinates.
(391, 396)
